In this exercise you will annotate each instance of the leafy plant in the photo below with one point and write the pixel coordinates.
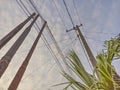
(108, 78)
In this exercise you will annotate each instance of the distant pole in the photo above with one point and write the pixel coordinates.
(89, 52)
(14, 84)
(4, 62)
(9, 36)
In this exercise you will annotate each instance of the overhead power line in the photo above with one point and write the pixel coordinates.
(68, 12)
(76, 11)
(32, 3)
(59, 50)
(44, 40)
(57, 47)
(59, 14)
(72, 23)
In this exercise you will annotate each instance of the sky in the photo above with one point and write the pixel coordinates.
(100, 19)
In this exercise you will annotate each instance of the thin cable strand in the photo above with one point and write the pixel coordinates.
(68, 12)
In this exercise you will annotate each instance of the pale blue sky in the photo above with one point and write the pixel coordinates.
(100, 19)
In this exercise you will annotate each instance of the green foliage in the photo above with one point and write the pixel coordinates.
(104, 68)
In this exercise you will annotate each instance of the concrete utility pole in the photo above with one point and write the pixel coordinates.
(4, 62)
(89, 52)
(20, 73)
(9, 36)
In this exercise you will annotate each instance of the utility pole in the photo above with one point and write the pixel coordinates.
(89, 52)
(4, 62)
(9, 36)
(20, 73)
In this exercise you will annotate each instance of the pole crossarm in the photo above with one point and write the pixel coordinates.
(74, 28)
(10, 35)
(4, 62)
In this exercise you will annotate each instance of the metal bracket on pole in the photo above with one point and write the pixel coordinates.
(74, 28)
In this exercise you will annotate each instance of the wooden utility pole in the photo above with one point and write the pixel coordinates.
(20, 73)
(4, 62)
(89, 52)
(9, 36)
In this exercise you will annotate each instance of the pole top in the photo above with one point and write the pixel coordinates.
(74, 28)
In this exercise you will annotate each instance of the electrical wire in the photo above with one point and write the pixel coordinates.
(59, 50)
(84, 29)
(47, 45)
(53, 54)
(35, 70)
(32, 3)
(42, 2)
(61, 18)
(76, 11)
(93, 39)
(49, 48)
(37, 83)
(73, 24)
(60, 41)
(51, 51)
(100, 32)
(23, 8)
(85, 54)
(68, 12)
(76, 31)
(59, 14)
(73, 42)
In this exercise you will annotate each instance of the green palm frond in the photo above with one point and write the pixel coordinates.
(72, 81)
(76, 66)
(108, 78)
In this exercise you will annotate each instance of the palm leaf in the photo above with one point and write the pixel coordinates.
(108, 80)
